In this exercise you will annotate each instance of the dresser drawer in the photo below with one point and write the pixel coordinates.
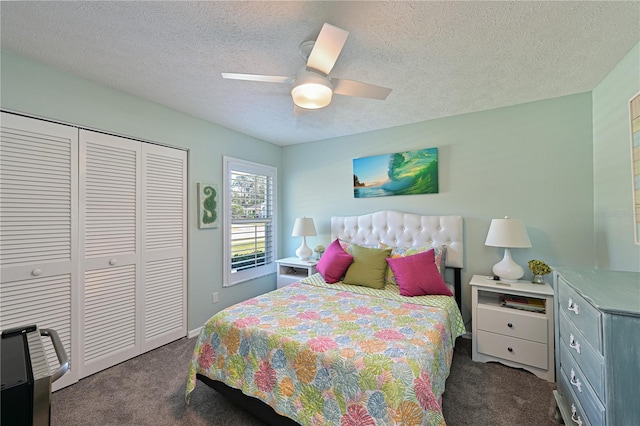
(577, 412)
(589, 361)
(575, 380)
(513, 349)
(514, 323)
(581, 313)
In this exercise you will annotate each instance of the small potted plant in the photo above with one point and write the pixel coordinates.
(319, 250)
(539, 269)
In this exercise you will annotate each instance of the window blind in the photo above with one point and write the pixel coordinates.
(251, 225)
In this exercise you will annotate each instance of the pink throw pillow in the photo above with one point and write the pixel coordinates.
(334, 263)
(418, 275)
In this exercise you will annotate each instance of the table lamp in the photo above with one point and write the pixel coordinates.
(304, 228)
(508, 233)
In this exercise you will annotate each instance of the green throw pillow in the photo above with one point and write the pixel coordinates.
(368, 267)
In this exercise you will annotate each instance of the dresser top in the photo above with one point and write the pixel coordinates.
(609, 291)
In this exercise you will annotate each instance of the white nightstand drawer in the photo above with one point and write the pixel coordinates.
(513, 349)
(512, 322)
(590, 361)
(581, 313)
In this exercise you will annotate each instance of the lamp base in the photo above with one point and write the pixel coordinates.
(508, 270)
(304, 252)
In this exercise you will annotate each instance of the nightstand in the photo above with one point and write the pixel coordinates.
(513, 324)
(292, 269)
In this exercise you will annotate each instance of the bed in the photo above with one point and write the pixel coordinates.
(318, 353)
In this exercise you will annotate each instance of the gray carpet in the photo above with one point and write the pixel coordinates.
(149, 390)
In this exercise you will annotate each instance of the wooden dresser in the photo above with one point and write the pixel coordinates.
(597, 346)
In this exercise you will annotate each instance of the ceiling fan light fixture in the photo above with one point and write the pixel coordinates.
(311, 90)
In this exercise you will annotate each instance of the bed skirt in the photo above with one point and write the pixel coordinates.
(253, 405)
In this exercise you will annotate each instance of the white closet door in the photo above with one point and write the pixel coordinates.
(164, 207)
(38, 231)
(109, 249)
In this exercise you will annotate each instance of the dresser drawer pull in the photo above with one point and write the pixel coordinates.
(36, 272)
(574, 415)
(573, 343)
(113, 261)
(509, 325)
(575, 382)
(510, 349)
(573, 307)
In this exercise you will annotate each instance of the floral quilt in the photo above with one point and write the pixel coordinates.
(334, 354)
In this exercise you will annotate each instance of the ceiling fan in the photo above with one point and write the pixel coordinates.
(312, 88)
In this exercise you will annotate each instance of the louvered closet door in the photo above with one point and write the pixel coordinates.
(38, 231)
(109, 249)
(164, 195)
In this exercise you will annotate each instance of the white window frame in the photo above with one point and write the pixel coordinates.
(231, 277)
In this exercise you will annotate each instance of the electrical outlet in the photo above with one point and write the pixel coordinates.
(215, 297)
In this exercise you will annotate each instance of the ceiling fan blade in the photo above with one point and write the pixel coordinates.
(359, 89)
(327, 48)
(257, 77)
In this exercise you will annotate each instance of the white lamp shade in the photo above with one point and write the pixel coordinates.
(303, 227)
(507, 233)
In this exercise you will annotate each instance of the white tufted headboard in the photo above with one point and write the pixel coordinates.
(397, 229)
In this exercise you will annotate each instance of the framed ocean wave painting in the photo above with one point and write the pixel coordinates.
(400, 173)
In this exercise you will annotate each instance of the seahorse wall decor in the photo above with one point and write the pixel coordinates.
(208, 206)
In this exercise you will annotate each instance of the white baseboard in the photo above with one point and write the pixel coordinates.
(194, 332)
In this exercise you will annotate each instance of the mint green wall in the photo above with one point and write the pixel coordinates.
(561, 165)
(612, 189)
(531, 161)
(33, 88)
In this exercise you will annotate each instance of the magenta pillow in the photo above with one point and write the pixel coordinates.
(418, 275)
(334, 263)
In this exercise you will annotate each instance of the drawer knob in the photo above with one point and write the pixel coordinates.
(573, 307)
(509, 325)
(575, 382)
(113, 261)
(573, 343)
(574, 415)
(510, 349)
(36, 272)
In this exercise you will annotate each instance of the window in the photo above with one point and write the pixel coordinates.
(249, 220)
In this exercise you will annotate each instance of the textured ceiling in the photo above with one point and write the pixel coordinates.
(440, 58)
